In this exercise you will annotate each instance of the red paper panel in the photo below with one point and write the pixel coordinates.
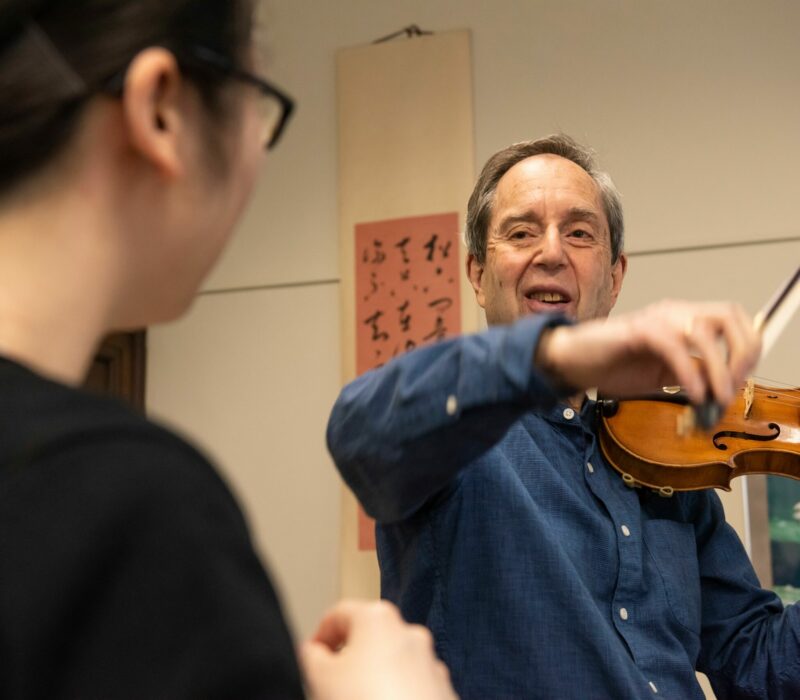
(407, 294)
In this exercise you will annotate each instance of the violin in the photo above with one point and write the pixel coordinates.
(653, 442)
(648, 442)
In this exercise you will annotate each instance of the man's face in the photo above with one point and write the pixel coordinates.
(548, 246)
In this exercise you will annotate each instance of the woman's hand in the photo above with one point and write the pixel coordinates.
(365, 651)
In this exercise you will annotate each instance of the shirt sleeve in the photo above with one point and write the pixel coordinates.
(401, 433)
(155, 590)
(750, 641)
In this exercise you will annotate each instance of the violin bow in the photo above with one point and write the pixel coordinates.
(772, 320)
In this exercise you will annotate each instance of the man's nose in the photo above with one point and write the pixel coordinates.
(551, 251)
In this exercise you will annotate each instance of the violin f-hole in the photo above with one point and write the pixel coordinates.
(746, 436)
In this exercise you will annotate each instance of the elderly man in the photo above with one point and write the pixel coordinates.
(501, 526)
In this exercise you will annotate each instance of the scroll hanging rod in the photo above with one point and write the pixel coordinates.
(410, 31)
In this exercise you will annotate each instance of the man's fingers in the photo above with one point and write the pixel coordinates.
(746, 354)
(723, 337)
(661, 337)
(704, 340)
(707, 349)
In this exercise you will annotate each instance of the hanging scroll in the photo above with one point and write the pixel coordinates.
(406, 149)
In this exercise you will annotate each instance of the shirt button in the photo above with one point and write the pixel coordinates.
(623, 613)
(653, 687)
(590, 467)
(625, 531)
(452, 405)
(569, 414)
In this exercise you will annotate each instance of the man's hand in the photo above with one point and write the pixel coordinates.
(364, 651)
(708, 349)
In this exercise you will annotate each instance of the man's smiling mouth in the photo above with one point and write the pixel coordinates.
(547, 297)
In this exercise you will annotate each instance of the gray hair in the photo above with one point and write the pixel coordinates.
(479, 209)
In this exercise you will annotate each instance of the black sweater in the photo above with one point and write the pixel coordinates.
(126, 568)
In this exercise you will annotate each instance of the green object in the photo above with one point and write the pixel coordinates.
(784, 531)
(787, 594)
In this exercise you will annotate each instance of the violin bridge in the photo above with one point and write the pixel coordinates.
(749, 393)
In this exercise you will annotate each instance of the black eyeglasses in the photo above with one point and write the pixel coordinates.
(276, 105)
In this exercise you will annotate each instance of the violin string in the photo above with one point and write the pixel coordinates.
(789, 400)
(778, 402)
(774, 390)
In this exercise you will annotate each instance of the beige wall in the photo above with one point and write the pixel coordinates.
(694, 108)
(252, 375)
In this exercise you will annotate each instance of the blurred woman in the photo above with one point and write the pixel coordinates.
(131, 133)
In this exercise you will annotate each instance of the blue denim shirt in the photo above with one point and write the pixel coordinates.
(540, 574)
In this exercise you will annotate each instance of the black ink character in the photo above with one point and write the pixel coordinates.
(440, 306)
(372, 321)
(405, 318)
(431, 247)
(402, 245)
(378, 256)
(373, 283)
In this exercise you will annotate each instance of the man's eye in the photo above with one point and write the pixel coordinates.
(519, 235)
(580, 233)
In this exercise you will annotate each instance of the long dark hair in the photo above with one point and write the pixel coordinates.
(55, 54)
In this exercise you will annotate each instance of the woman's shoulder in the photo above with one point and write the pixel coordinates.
(96, 448)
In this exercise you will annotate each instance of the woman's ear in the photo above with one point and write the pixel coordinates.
(154, 109)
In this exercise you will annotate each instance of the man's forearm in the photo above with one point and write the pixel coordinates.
(401, 433)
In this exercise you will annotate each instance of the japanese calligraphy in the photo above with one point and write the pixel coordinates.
(407, 290)
(407, 294)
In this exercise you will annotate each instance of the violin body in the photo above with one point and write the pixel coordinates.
(643, 440)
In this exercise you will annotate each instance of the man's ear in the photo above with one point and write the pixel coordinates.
(475, 274)
(152, 106)
(617, 275)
